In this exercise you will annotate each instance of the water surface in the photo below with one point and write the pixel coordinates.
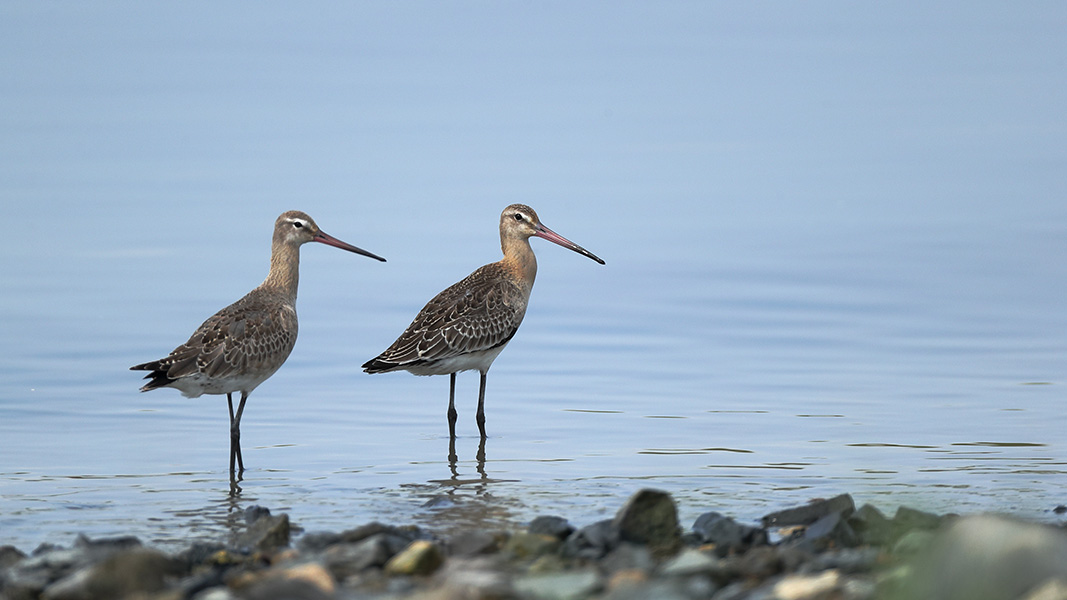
(835, 260)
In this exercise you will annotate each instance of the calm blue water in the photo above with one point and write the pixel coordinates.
(835, 258)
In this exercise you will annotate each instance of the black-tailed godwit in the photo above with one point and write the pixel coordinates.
(245, 343)
(466, 326)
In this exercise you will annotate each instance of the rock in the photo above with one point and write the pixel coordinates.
(913, 542)
(809, 587)
(422, 557)
(987, 557)
(592, 542)
(726, 534)
(907, 519)
(872, 526)
(660, 590)
(30, 576)
(850, 560)
(650, 517)
(559, 586)
(557, 527)
(199, 553)
(133, 571)
(628, 557)
(284, 589)
(525, 544)
(832, 530)
(811, 512)
(344, 560)
(265, 533)
(480, 578)
(1053, 589)
(107, 545)
(472, 542)
(308, 581)
(692, 562)
(10, 555)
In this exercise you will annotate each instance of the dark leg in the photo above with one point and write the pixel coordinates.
(235, 434)
(452, 458)
(481, 405)
(480, 457)
(233, 457)
(452, 406)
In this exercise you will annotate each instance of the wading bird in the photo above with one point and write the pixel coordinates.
(245, 343)
(466, 326)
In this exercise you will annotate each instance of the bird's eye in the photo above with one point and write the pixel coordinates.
(518, 216)
(297, 224)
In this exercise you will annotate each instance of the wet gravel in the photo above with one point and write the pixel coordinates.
(826, 549)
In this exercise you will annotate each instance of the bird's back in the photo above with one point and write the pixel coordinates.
(235, 350)
(473, 317)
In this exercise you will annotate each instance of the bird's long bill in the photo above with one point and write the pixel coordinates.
(336, 243)
(555, 238)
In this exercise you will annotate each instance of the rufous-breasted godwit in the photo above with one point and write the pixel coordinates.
(466, 326)
(245, 343)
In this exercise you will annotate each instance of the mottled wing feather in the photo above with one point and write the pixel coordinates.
(249, 335)
(478, 313)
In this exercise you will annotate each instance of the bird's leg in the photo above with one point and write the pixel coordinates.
(233, 457)
(453, 459)
(452, 406)
(235, 434)
(480, 457)
(481, 405)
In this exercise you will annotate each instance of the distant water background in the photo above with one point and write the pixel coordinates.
(835, 234)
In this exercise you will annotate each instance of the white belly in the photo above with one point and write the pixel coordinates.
(474, 361)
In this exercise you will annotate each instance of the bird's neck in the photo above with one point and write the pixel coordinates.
(284, 275)
(519, 259)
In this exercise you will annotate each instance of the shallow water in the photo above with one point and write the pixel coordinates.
(809, 297)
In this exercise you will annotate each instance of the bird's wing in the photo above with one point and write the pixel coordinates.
(240, 338)
(478, 313)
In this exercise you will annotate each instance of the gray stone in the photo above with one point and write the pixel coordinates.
(525, 544)
(628, 557)
(650, 517)
(127, 572)
(473, 579)
(872, 526)
(811, 512)
(592, 541)
(471, 542)
(849, 560)
(907, 519)
(10, 555)
(559, 586)
(1053, 589)
(557, 527)
(265, 533)
(986, 558)
(344, 560)
(913, 542)
(832, 529)
(692, 562)
(727, 534)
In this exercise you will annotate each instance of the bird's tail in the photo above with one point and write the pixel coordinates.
(157, 375)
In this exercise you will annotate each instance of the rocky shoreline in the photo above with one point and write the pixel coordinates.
(827, 549)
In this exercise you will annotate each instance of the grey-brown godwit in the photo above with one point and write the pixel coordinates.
(466, 326)
(242, 345)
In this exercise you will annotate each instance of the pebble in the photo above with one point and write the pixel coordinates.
(831, 551)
